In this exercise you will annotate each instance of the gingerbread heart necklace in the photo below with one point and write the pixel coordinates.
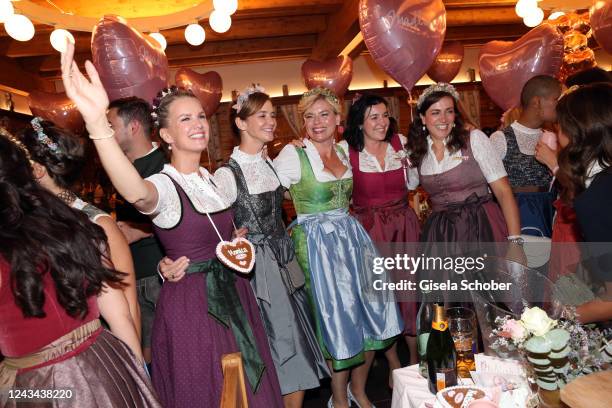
(237, 254)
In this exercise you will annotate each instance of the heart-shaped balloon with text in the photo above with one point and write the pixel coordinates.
(335, 74)
(506, 66)
(57, 108)
(601, 23)
(403, 36)
(447, 63)
(129, 64)
(207, 87)
(237, 254)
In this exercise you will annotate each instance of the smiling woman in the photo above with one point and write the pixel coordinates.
(208, 311)
(457, 168)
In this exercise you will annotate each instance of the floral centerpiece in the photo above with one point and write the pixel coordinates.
(556, 351)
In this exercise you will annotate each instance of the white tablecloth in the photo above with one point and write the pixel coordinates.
(410, 390)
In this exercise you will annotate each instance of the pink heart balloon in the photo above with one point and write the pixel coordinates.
(207, 87)
(505, 66)
(601, 23)
(57, 108)
(403, 36)
(447, 63)
(335, 74)
(128, 63)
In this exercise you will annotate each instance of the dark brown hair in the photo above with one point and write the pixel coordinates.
(585, 117)
(417, 137)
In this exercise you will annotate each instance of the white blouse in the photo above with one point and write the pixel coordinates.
(526, 138)
(204, 195)
(259, 177)
(369, 164)
(287, 165)
(487, 158)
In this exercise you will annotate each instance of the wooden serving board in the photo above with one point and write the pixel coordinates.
(591, 391)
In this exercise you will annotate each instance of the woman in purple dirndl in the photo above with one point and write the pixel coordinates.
(209, 311)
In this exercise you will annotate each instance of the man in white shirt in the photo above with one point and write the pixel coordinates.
(516, 145)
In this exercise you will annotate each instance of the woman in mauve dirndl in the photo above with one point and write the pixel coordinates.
(209, 310)
(459, 169)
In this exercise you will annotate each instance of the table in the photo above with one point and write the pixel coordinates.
(410, 390)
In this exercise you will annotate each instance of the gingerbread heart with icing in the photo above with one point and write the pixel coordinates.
(237, 254)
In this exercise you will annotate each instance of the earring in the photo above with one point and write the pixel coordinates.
(360, 127)
(169, 147)
(424, 128)
(453, 125)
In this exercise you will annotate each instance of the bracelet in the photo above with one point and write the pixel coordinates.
(515, 239)
(107, 132)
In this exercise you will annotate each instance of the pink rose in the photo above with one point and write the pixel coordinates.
(515, 329)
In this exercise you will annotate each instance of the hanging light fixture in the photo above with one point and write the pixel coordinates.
(195, 34)
(556, 15)
(534, 17)
(159, 37)
(58, 39)
(19, 27)
(523, 7)
(6, 10)
(219, 22)
(228, 7)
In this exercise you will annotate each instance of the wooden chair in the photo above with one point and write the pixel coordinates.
(233, 394)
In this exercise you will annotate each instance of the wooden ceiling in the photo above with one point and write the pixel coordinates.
(261, 30)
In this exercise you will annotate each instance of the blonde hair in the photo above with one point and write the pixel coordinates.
(319, 94)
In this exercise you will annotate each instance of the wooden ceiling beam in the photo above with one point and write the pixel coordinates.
(243, 29)
(278, 46)
(14, 78)
(342, 27)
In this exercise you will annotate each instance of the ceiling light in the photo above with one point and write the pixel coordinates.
(19, 27)
(194, 34)
(219, 22)
(523, 7)
(6, 10)
(58, 39)
(534, 17)
(159, 37)
(556, 15)
(227, 7)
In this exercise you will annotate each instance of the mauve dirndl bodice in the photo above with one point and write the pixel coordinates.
(454, 186)
(194, 236)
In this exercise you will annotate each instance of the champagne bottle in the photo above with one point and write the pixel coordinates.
(441, 353)
(423, 328)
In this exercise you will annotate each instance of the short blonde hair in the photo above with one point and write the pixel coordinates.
(319, 94)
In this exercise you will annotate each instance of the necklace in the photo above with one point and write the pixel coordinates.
(67, 196)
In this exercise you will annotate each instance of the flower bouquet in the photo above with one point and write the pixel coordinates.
(555, 351)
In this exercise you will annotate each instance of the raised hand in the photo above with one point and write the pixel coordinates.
(88, 94)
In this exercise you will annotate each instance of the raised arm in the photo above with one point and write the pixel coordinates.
(91, 100)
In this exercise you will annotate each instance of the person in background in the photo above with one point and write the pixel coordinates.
(515, 145)
(335, 252)
(57, 159)
(381, 180)
(55, 279)
(131, 120)
(209, 311)
(585, 176)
